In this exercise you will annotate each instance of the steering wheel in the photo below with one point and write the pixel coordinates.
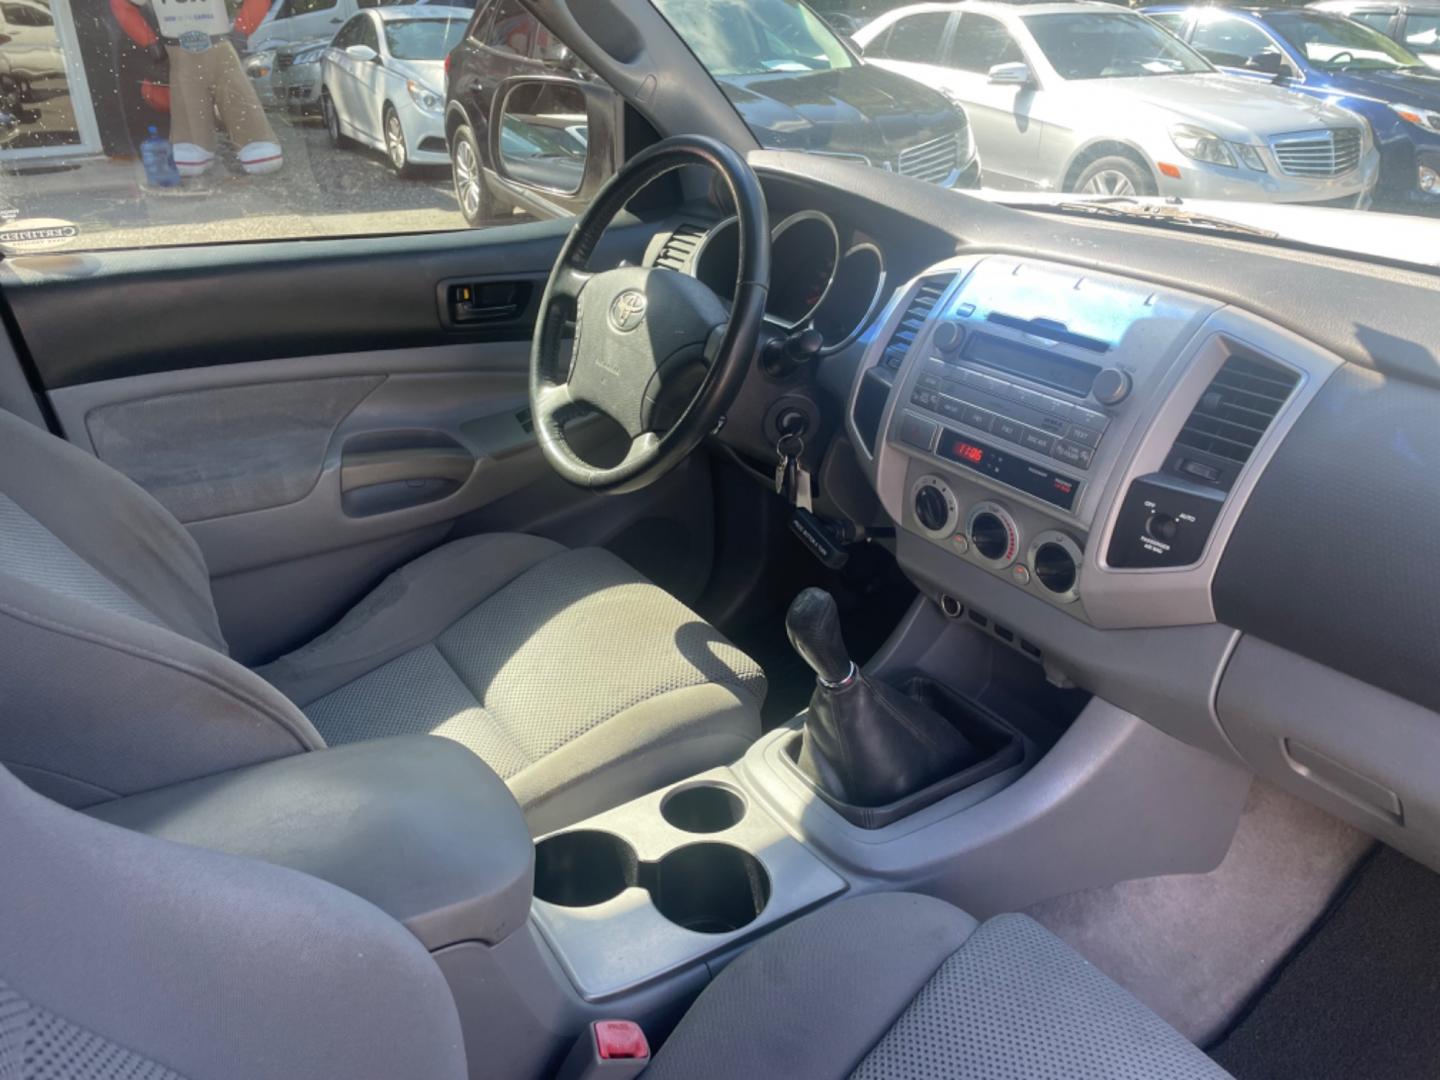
(1337, 62)
(654, 349)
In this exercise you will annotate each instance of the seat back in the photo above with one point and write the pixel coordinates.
(113, 670)
(123, 956)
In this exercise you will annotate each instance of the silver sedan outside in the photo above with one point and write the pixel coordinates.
(383, 82)
(1088, 97)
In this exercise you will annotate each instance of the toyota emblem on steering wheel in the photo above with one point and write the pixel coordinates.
(627, 311)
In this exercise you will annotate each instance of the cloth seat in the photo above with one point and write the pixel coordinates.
(896, 986)
(576, 679)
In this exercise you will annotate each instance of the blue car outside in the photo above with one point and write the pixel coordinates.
(1339, 60)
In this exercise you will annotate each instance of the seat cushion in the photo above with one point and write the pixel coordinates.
(574, 678)
(907, 988)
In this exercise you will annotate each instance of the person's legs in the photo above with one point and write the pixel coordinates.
(192, 112)
(242, 114)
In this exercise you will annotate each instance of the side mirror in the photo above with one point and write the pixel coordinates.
(1016, 73)
(1270, 63)
(553, 134)
(363, 53)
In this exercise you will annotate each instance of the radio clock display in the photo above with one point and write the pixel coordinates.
(967, 452)
(1055, 488)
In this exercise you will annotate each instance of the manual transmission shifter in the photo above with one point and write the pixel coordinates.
(865, 743)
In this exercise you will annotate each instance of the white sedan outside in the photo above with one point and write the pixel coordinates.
(383, 82)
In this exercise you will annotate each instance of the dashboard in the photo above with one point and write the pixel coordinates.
(1088, 439)
(1189, 475)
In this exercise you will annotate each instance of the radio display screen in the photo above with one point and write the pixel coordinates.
(1062, 372)
(1054, 487)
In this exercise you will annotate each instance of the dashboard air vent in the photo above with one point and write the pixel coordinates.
(679, 246)
(1229, 420)
(921, 304)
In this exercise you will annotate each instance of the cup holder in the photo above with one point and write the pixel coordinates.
(707, 808)
(583, 868)
(710, 888)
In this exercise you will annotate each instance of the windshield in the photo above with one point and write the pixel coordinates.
(755, 37)
(1091, 45)
(130, 124)
(422, 39)
(1332, 43)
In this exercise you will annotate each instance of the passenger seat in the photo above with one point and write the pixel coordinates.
(122, 955)
(896, 986)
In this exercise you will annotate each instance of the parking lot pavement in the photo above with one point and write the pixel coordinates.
(320, 191)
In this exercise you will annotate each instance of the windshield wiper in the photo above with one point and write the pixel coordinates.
(1124, 209)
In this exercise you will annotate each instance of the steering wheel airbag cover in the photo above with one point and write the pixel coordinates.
(635, 325)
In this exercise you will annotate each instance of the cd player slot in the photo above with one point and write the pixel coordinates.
(1050, 329)
(1043, 366)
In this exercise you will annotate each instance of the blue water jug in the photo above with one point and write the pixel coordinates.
(159, 162)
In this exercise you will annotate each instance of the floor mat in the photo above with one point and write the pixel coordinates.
(1360, 998)
(1197, 947)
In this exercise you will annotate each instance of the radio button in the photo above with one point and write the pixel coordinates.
(948, 406)
(976, 418)
(917, 431)
(1083, 436)
(929, 382)
(1007, 429)
(1036, 440)
(1089, 418)
(926, 399)
(1072, 454)
(1054, 406)
(1054, 425)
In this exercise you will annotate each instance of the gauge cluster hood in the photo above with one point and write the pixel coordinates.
(858, 110)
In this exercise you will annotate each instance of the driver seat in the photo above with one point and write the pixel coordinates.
(574, 678)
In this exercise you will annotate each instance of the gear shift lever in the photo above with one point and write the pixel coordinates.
(865, 743)
(813, 623)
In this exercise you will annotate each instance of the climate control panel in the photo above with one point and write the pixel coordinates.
(991, 534)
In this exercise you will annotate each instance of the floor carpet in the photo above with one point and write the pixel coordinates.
(1197, 947)
(1360, 997)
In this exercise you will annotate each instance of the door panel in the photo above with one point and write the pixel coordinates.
(317, 416)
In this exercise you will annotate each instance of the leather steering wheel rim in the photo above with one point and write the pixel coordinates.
(682, 320)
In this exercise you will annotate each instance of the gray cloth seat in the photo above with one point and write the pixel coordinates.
(123, 957)
(902, 987)
(578, 681)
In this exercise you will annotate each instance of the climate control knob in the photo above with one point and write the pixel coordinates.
(935, 508)
(1056, 559)
(1112, 386)
(930, 509)
(994, 536)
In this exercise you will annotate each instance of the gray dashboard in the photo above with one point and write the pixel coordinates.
(1043, 397)
(1250, 626)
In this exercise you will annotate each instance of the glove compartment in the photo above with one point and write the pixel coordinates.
(1365, 755)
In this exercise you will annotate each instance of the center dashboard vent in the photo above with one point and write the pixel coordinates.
(918, 310)
(680, 247)
(1229, 420)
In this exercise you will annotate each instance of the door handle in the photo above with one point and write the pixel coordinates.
(373, 467)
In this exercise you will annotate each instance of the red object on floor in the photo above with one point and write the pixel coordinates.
(620, 1039)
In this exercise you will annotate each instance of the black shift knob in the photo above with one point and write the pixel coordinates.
(813, 623)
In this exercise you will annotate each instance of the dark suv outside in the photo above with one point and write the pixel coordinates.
(792, 79)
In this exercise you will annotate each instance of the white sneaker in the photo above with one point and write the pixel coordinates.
(261, 157)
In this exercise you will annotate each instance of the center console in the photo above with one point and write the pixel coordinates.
(1086, 438)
